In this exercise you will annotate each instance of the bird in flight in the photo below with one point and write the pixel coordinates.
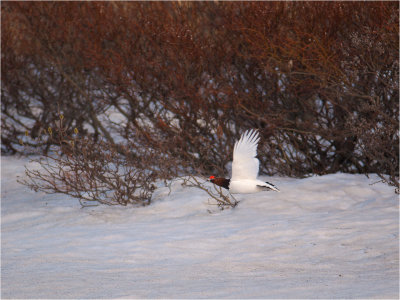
(245, 167)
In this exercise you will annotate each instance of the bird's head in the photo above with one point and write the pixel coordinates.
(220, 181)
(211, 178)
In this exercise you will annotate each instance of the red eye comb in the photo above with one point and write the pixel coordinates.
(212, 177)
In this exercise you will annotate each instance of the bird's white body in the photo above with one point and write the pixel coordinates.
(246, 186)
(245, 166)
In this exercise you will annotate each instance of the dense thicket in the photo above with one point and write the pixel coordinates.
(319, 81)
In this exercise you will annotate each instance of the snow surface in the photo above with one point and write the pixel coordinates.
(332, 236)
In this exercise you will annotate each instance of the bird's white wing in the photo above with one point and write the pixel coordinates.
(245, 164)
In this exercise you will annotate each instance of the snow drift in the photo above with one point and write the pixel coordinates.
(333, 236)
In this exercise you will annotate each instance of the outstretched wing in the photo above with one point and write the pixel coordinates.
(245, 164)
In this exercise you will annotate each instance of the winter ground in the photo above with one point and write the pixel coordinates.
(333, 236)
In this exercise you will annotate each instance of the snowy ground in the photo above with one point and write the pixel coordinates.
(333, 236)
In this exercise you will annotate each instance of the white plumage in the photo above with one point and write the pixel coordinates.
(245, 166)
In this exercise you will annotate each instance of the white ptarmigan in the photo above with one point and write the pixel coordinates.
(245, 167)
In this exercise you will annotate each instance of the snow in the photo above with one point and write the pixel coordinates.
(333, 236)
